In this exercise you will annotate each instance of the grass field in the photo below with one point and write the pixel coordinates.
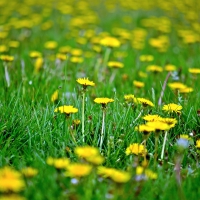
(99, 99)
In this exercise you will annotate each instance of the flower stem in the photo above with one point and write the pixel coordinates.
(83, 116)
(164, 143)
(102, 129)
(156, 151)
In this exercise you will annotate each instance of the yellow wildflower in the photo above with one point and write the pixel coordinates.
(35, 54)
(85, 82)
(61, 163)
(54, 96)
(144, 128)
(12, 197)
(158, 125)
(76, 59)
(137, 149)
(154, 68)
(6, 58)
(138, 84)
(186, 90)
(198, 144)
(66, 109)
(51, 45)
(145, 102)
(110, 42)
(146, 58)
(114, 174)
(184, 136)
(170, 68)
(90, 154)
(103, 100)
(177, 86)
(11, 180)
(78, 170)
(114, 64)
(29, 172)
(61, 56)
(194, 70)
(151, 118)
(170, 121)
(172, 108)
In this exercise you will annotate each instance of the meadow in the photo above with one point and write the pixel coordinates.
(99, 99)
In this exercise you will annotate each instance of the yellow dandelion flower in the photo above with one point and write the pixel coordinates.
(35, 54)
(50, 45)
(137, 149)
(114, 64)
(38, 64)
(147, 172)
(110, 42)
(177, 86)
(65, 49)
(61, 56)
(130, 97)
(138, 84)
(154, 68)
(172, 108)
(151, 118)
(90, 154)
(85, 82)
(3, 48)
(61, 163)
(194, 70)
(146, 58)
(86, 151)
(170, 68)
(150, 174)
(6, 58)
(142, 74)
(13, 44)
(29, 172)
(186, 90)
(116, 175)
(170, 121)
(76, 59)
(76, 122)
(144, 128)
(54, 96)
(66, 109)
(119, 176)
(76, 52)
(184, 136)
(103, 100)
(50, 161)
(198, 144)
(78, 170)
(11, 180)
(158, 125)
(145, 102)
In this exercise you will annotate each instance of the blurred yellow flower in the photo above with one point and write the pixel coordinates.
(177, 86)
(117, 176)
(158, 125)
(194, 70)
(146, 58)
(151, 118)
(170, 68)
(110, 42)
(198, 144)
(54, 96)
(11, 180)
(78, 170)
(90, 154)
(50, 45)
(6, 58)
(29, 172)
(138, 84)
(114, 64)
(154, 68)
